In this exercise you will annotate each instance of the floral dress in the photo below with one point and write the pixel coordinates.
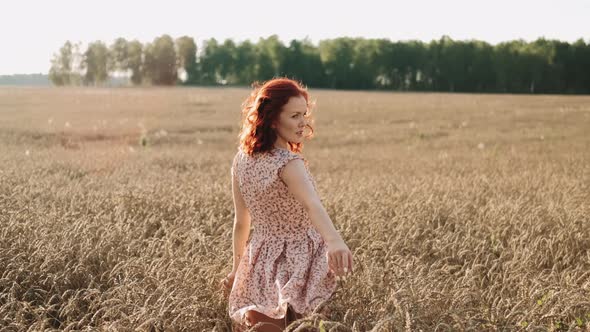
(284, 262)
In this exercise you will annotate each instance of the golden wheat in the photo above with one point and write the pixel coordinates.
(464, 212)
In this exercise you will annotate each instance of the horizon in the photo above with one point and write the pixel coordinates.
(461, 20)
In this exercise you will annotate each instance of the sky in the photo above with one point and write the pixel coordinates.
(31, 32)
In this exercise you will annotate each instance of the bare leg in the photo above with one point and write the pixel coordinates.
(280, 324)
(255, 317)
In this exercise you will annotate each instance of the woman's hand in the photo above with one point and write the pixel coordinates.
(339, 258)
(227, 282)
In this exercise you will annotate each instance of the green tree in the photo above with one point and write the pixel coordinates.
(119, 59)
(482, 67)
(364, 71)
(135, 61)
(578, 68)
(207, 60)
(187, 58)
(160, 66)
(65, 65)
(301, 60)
(226, 62)
(542, 66)
(95, 63)
(337, 55)
(510, 67)
(273, 50)
(244, 63)
(61, 65)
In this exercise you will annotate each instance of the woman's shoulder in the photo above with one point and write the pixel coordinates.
(284, 156)
(239, 157)
(277, 155)
(240, 153)
(284, 153)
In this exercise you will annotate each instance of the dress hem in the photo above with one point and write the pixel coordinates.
(239, 314)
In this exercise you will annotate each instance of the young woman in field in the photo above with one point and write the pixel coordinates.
(294, 256)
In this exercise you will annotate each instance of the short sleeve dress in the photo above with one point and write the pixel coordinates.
(284, 261)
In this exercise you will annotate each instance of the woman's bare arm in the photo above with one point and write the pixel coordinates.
(295, 177)
(241, 228)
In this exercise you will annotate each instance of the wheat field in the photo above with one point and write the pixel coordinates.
(464, 212)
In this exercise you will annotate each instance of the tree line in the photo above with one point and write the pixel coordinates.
(541, 66)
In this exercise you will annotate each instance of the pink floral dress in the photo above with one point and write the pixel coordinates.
(284, 261)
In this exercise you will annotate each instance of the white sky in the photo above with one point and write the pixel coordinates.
(32, 31)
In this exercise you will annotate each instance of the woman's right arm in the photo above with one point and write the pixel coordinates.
(295, 177)
(242, 220)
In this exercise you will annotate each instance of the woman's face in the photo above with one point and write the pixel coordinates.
(291, 121)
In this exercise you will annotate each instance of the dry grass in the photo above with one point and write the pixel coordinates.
(464, 212)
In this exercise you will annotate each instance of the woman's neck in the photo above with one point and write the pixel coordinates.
(281, 144)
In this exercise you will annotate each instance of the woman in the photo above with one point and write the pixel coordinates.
(294, 256)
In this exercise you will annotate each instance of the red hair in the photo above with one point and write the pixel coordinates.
(263, 107)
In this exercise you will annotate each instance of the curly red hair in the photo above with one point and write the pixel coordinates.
(263, 107)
